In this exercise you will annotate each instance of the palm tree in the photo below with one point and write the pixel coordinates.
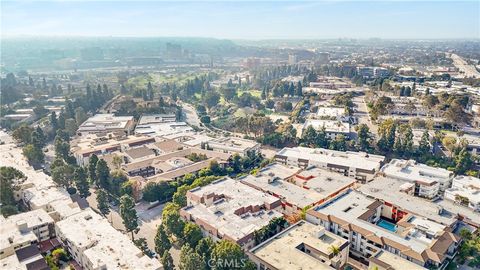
(334, 249)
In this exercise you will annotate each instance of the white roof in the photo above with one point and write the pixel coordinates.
(329, 125)
(9, 227)
(466, 186)
(102, 244)
(359, 160)
(221, 213)
(352, 205)
(410, 170)
(281, 251)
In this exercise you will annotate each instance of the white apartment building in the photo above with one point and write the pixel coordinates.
(426, 178)
(301, 246)
(359, 165)
(298, 189)
(232, 145)
(94, 244)
(228, 209)
(24, 229)
(333, 128)
(465, 190)
(106, 123)
(371, 226)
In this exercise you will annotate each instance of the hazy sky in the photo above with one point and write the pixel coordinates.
(243, 19)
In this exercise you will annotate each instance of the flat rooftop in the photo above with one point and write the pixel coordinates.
(466, 186)
(223, 201)
(441, 211)
(105, 122)
(282, 252)
(330, 111)
(351, 206)
(9, 226)
(156, 118)
(394, 262)
(410, 170)
(102, 244)
(305, 188)
(358, 160)
(329, 125)
(162, 129)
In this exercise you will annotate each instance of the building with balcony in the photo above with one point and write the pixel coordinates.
(301, 246)
(465, 190)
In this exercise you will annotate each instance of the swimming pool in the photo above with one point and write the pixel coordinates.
(387, 225)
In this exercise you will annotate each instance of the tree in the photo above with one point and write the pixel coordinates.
(450, 143)
(334, 249)
(227, 251)
(80, 115)
(424, 144)
(117, 161)
(463, 161)
(162, 243)
(363, 137)
(192, 234)
(23, 134)
(34, 155)
(128, 214)
(54, 122)
(63, 175)
(190, 260)
(298, 90)
(102, 173)
(150, 192)
(211, 99)
(92, 166)
(179, 197)
(38, 138)
(102, 202)
(9, 180)
(167, 261)
(172, 221)
(117, 179)
(81, 183)
(204, 249)
(70, 126)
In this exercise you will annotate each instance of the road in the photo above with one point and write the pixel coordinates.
(463, 66)
(148, 220)
(190, 114)
(362, 114)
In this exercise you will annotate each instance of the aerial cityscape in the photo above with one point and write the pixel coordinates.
(321, 135)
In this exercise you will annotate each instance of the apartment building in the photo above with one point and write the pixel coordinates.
(233, 145)
(301, 246)
(107, 123)
(359, 165)
(443, 211)
(371, 225)
(84, 147)
(298, 189)
(24, 229)
(429, 181)
(95, 244)
(465, 190)
(333, 128)
(385, 260)
(228, 209)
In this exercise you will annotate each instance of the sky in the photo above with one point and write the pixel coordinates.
(243, 19)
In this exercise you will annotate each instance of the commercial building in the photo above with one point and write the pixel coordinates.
(106, 123)
(359, 165)
(333, 128)
(160, 125)
(465, 190)
(24, 229)
(94, 244)
(301, 246)
(372, 225)
(429, 181)
(228, 209)
(298, 189)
